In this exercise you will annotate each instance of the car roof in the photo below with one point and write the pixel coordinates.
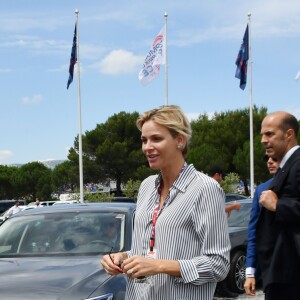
(103, 206)
(236, 194)
(244, 200)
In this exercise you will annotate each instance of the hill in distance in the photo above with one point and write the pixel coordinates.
(50, 163)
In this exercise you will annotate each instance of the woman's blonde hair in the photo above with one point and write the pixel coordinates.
(170, 117)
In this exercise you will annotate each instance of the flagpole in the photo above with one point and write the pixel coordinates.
(251, 110)
(166, 65)
(79, 112)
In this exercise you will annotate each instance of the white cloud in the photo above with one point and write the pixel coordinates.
(88, 51)
(194, 116)
(4, 154)
(32, 100)
(275, 18)
(40, 46)
(62, 68)
(19, 23)
(119, 62)
(36, 44)
(7, 70)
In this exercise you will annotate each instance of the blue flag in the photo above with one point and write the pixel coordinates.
(73, 58)
(242, 60)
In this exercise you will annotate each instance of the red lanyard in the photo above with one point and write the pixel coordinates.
(157, 212)
(154, 219)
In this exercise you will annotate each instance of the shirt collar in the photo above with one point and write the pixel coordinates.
(288, 155)
(182, 181)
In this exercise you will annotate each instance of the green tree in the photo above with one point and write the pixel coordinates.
(224, 140)
(131, 188)
(7, 187)
(230, 182)
(112, 149)
(65, 173)
(34, 179)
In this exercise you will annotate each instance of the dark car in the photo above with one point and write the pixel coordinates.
(234, 197)
(238, 232)
(55, 252)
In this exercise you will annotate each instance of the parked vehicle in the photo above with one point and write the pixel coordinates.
(65, 202)
(6, 214)
(55, 252)
(233, 197)
(238, 232)
(6, 204)
(44, 203)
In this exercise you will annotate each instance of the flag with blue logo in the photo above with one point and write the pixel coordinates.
(242, 61)
(73, 59)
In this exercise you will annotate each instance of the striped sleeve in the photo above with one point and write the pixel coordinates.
(210, 222)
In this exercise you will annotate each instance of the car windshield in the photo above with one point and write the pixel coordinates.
(62, 234)
(240, 218)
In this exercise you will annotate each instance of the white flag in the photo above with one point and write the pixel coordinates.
(155, 58)
(297, 76)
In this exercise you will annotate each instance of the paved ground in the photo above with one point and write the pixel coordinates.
(259, 296)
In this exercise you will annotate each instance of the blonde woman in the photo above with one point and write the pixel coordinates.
(180, 242)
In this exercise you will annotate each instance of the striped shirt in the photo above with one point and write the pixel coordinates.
(192, 229)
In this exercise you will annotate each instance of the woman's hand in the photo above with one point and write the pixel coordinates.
(112, 262)
(139, 266)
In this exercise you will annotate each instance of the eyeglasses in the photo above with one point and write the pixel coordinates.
(266, 158)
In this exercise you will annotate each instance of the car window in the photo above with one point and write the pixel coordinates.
(240, 218)
(61, 233)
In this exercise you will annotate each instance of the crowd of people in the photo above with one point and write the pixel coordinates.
(89, 187)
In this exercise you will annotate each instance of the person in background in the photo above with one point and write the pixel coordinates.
(37, 203)
(110, 233)
(278, 226)
(251, 259)
(15, 209)
(217, 174)
(176, 244)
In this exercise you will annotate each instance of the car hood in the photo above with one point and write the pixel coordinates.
(50, 278)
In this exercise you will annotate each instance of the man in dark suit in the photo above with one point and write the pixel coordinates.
(251, 258)
(278, 227)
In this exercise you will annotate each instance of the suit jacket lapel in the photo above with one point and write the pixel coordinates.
(281, 175)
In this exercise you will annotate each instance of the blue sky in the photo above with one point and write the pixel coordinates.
(39, 116)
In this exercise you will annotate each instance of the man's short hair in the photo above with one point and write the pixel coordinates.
(290, 122)
(216, 169)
